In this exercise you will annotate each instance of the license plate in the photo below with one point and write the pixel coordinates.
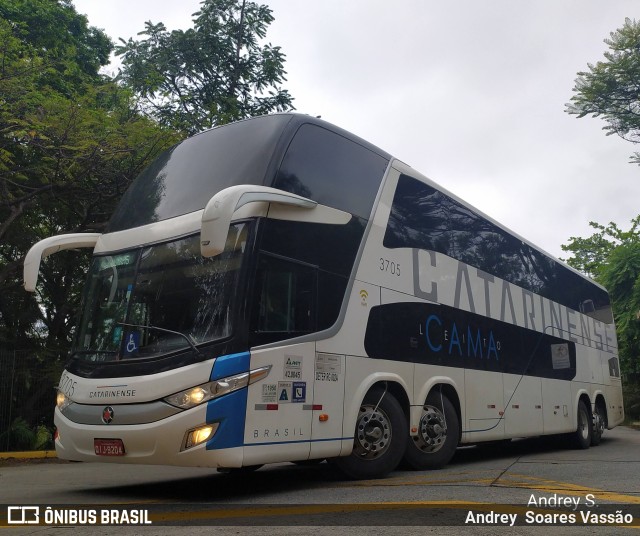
(108, 447)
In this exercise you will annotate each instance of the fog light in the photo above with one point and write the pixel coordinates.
(199, 435)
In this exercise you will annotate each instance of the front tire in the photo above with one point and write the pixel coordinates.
(380, 437)
(438, 435)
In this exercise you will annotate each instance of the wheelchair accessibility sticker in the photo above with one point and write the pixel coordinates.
(132, 343)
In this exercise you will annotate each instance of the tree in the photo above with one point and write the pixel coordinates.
(70, 144)
(610, 89)
(211, 74)
(612, 257)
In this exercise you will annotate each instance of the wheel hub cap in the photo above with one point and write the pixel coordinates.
(432, 432)
(373, 433)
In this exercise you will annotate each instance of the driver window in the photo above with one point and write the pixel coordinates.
(286, 297)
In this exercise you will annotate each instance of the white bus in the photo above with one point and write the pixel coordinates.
(279, 289)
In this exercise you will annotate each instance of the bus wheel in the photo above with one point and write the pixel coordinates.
(380, 437)
(582, 436)
(438, 434)
(599, 423)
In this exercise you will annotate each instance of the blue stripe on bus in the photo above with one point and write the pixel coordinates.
(228, 365)
(228, 410)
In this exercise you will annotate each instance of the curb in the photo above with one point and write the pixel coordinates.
(28, 455)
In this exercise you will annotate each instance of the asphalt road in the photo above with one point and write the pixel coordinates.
(491, 484)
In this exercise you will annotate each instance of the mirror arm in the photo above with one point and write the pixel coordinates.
(49, 246)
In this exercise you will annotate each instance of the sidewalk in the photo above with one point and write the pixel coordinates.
(32, 454)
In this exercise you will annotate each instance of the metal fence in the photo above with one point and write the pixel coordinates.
(27, 399)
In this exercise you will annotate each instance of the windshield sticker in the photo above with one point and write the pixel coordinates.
(133, 343)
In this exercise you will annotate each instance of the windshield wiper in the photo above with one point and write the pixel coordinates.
(186, 337)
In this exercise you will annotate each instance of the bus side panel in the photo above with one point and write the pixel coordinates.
(588, 365)
(522, 406)
(344, 354)
(484, 406)
(613, 398)
(328, 406)
(278, 418)
(557, 406)
(612, 389)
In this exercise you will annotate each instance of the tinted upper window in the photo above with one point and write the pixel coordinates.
(332, 170)
(302, 276)
(185, 177)
(423, 217)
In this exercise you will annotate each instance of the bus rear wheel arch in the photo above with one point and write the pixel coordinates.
(438, 433)
(380, 437)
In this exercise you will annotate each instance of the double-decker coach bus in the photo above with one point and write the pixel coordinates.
(278, 289)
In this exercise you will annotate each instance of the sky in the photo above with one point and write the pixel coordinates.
(471, 94)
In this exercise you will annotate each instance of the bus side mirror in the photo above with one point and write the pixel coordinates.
(218, 213)
(47, 247)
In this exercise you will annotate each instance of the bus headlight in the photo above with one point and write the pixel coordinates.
(190, 398)
(62, 401)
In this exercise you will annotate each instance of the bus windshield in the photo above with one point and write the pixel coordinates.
(163, 298)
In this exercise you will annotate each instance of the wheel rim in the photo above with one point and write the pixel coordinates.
(598, 422)
(432, 432)
(373, 433)
(583, 425)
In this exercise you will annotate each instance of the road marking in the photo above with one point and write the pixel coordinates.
(211, 515)
(511, 480)
(552, 486)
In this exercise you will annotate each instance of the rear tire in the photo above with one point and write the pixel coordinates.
(438, 434)
(380, 437)
(581, 438)
(599, 423)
